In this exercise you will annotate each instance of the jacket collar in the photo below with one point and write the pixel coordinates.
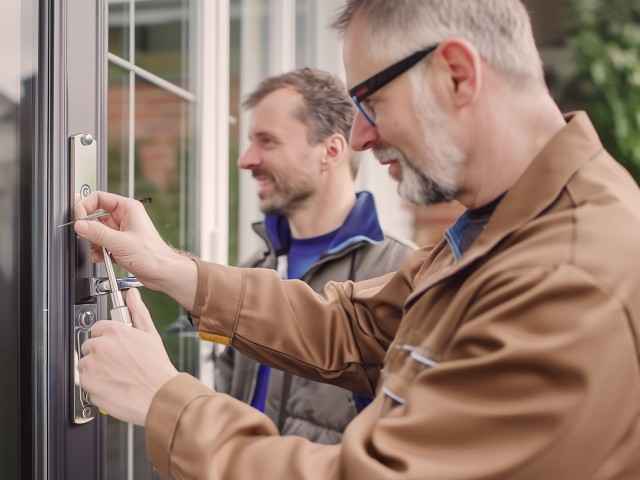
(541, 184)
(361, 225)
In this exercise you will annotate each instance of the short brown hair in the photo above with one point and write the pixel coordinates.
(326, 110)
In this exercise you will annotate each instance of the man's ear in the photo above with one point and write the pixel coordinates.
(463, 66)
(335, 147)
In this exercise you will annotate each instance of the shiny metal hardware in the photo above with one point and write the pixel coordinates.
(119, 311)
(84, 317)
(83, 151)
(93, 216)
(86, 139)
(84, 158)
(102, 286)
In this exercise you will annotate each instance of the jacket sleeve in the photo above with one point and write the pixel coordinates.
(338, 338)
(224, 365)
(539, 363)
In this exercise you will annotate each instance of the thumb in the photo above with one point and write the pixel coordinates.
(139, 313)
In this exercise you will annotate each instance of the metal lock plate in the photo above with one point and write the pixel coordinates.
(84, 317)
(84, 158)
(84, 161)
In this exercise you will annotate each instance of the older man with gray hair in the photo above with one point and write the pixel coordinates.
(507, 351)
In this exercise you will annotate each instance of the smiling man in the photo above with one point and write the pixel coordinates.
(507, 351)
(316, 229)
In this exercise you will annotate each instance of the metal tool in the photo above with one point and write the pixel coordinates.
(94, 216)
(119, 311)
(101, 286)
(99, 214)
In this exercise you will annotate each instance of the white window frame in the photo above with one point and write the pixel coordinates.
(213, 155)
(213, 122)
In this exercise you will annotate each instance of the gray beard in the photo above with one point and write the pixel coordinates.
(417, 188)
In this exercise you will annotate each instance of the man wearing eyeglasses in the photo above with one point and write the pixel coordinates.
(507, 351)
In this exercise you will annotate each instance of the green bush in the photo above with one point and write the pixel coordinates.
(606, 46)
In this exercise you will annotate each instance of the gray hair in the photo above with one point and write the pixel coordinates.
(499, 29)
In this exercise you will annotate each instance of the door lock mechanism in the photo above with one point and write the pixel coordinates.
(84, 316)
(102, 286)
(83, 152)
(88, 287)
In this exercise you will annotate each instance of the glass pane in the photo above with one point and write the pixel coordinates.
(119, 32)
(164, 39)
(154, 158)
(9, 331)
(164, 171)
(306, 35)
(118, 132)
(317, 45)
(115, 457)
(18, 60)
(250, 43)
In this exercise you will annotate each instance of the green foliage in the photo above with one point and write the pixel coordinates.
(606, 48)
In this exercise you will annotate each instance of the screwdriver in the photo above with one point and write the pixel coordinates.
(119, 311)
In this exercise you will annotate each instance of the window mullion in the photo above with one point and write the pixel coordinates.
(214, 130)
(131, 187)
(132, 134)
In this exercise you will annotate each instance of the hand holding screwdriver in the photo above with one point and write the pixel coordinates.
(119, 311)
(135, 245)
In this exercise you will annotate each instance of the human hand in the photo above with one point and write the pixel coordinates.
(123, 367)
(134, 243)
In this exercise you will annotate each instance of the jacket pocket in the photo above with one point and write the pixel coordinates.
(410, 361)
(393, 394)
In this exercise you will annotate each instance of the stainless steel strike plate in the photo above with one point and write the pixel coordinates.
(84, 158)
(84, 317)
(84, 163)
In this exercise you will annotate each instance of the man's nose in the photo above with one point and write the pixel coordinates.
(363, 135)
(250, 159)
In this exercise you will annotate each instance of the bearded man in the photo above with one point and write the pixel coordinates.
(316, 229)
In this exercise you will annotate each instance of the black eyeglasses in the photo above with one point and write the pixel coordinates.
(360, 92)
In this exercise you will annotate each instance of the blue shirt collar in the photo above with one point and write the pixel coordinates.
(468, 227)
(361, 225)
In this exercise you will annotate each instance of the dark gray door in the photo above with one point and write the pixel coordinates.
(20, 210)
(52, 71)
(75, 58)
(48, 89)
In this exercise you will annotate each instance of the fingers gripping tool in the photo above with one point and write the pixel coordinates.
(119, 311)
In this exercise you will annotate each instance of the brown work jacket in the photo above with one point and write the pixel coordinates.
(519, 361)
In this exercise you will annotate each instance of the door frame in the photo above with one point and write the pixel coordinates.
(75, 37)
